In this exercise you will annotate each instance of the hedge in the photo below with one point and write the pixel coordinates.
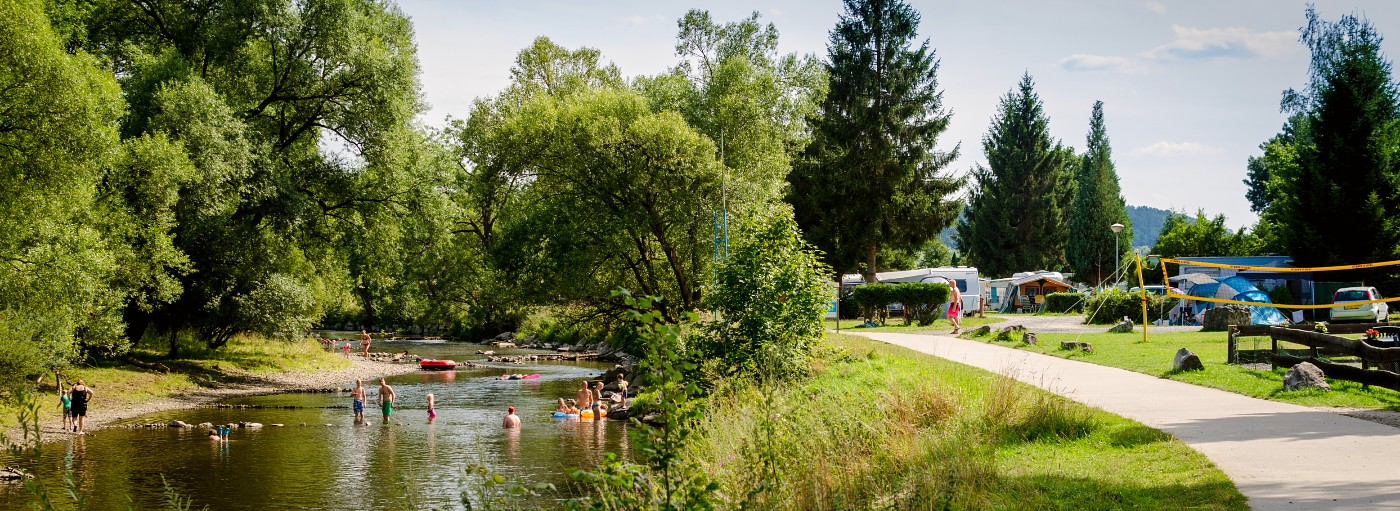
(923, 301)
(1064, 302)
(1110, 306)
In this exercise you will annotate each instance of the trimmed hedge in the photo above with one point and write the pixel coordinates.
(923, 301)
(1064, 302)
(1110, 306)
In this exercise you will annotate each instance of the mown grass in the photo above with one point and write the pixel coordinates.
(1127, 351)
(897, 325)
(880, 426)
(117, 384)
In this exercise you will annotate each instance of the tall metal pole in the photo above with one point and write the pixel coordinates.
(1117, 257)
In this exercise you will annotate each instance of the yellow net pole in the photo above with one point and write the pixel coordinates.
(1142, 288)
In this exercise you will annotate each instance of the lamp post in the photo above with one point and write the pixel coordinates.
(1116, 228)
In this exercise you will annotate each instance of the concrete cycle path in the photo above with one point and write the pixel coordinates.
(1280, 456)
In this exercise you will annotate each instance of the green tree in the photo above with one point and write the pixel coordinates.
(872, 177)
(1098, 203)
(56, 136)
(1202, 237)
(1015, 219)
(1338, 200)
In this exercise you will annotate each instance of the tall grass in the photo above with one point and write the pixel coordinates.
(883, 427)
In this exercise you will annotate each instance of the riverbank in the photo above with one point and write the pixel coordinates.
(247, 367)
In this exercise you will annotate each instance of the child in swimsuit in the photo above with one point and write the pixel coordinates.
(65, 399)
(432, 414)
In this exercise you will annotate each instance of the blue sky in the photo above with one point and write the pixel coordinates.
(1190, 88)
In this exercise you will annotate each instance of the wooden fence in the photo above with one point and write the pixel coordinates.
(1319, 344)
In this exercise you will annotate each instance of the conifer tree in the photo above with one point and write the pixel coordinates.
(1336, 201)
(872, 178)
(1098, 203)
(1015, 219)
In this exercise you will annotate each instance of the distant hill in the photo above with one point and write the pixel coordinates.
(1147, 224)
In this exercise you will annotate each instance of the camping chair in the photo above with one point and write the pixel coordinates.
(1039, 303)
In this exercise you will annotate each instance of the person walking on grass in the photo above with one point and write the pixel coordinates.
(81, 395)
(386, 399)
(357, 400)
(955, 307)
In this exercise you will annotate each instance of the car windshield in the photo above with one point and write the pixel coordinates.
(1354, 295)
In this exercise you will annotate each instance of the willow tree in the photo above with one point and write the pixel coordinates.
(872, 177)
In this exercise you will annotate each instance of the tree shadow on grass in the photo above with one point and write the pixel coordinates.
(1053, 492)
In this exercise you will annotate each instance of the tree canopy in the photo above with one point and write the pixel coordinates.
(1098, 203)
(872, 176)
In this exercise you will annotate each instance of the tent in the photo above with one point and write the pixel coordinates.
(1239, 289)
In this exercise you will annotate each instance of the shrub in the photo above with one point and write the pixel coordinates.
(874, 300)
(922, 300)
(770, 296)
(1110, 306)
(1064, 302)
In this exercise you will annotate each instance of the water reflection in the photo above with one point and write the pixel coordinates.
(321, 459)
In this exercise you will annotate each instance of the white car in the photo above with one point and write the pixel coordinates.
(1378, 312)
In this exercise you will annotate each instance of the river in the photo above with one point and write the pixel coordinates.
(320, 459)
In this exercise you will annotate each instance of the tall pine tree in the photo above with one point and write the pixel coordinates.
(1338, 201)
(1015, 219)
(871, 178)
(1098, 203)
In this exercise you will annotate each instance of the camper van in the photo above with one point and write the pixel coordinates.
(965, 277)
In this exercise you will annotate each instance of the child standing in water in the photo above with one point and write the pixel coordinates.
(432, 414)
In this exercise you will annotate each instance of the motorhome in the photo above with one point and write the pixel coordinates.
(965, 277)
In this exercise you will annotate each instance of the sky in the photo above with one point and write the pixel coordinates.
(1190, 88)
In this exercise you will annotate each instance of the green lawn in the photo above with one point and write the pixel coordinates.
(880, 426)
(1127, 351)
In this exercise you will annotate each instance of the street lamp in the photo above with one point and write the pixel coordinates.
(1117, 228)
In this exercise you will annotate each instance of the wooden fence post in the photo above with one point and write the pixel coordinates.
(1232, 354)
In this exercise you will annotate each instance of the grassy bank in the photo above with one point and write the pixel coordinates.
(1127, 351)
(881, 426)
(121, 385)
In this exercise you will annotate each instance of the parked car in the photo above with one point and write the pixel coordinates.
(1340, 311)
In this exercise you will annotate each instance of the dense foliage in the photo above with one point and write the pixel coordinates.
(872, 178)
(922, 301)
(1111, 306)
(1017, 206)
(1098, 203)
(1333, 176)
(1064, 302)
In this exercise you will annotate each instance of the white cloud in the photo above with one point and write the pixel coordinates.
(1156, 7)
(1192, 44)
(1085, 62)
(636, 20)
(1169, 148)
(1209, 43)
(775, 12)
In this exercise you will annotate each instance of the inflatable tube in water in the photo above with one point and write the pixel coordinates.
(588, 414)
(562, 415)
(437, 365)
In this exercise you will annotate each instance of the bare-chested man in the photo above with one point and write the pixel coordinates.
(584, 397)
(357, 395)
(386, 399)
(512, 420)
(364, 342)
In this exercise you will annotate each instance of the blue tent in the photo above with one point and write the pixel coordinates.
(1239, 289)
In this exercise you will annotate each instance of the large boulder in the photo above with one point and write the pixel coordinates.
(1305, 376)
(1122, 328)
(1187, 361)
(1219, 319)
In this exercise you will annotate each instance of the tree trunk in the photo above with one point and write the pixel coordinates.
(870, 270)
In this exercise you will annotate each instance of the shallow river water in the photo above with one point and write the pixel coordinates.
(332, 463)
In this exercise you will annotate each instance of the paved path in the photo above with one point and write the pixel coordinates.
(1281, 456)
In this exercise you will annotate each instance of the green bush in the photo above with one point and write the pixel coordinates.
(923, 301)
(1110, 306)
(874, 300)
(1064, 302)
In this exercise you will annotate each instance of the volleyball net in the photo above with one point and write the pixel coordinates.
(1162, 262)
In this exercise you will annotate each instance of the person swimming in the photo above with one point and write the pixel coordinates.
(214, 436)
